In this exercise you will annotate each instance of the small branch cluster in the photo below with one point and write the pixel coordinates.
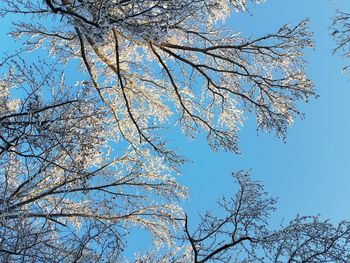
(341, 33)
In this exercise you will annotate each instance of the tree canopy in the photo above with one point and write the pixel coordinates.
(81, 162)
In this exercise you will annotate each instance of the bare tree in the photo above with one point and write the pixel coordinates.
(242, 233)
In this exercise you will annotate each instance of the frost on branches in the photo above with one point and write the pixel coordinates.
(63, 197)
(145, 58)
(82, 163)
(242, 234)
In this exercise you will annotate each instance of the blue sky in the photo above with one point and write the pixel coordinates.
(310, 173)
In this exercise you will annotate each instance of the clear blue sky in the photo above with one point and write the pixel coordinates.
(310, 173)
